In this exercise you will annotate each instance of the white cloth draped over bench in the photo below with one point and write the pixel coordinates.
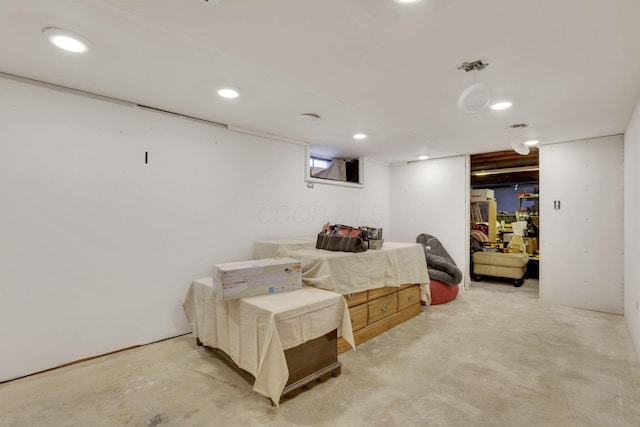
(255, 331)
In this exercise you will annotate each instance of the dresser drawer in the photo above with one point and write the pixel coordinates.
(380, 292)
(355, 299)
(408, 297)
(359, 316)
(382, 307)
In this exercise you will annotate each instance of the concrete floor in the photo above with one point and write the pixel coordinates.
(493, 357)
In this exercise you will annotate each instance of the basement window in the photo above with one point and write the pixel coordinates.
(337, 171)
(319, 163)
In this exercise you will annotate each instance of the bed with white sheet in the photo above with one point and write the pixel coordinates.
(394, 265)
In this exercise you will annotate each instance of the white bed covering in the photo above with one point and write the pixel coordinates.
(395, 264)
(255, 331)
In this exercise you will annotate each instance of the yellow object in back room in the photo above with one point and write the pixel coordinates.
(517, 245)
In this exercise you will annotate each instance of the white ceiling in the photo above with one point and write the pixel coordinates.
(571, 66)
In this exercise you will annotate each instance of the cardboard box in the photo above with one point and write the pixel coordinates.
(482, 195)
(241, 279)
(532, 244)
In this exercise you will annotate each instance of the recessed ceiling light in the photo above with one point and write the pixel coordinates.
(423, 157)
(359, 136)
(67, 40)
(228, 92)
(532, 142)
(406, 1)
(501, 105)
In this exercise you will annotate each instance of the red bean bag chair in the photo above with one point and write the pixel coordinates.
(441, 292)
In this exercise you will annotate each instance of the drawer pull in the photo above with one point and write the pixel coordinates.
(348, 296)
(410, 297)
(384, 307)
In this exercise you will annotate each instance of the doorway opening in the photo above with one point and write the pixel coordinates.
(504, 214)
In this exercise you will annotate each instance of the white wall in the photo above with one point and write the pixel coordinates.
(632, 228)
(581, 255)
(432, 197)
(97, 248)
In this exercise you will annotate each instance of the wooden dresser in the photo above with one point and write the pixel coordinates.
(378, 310)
